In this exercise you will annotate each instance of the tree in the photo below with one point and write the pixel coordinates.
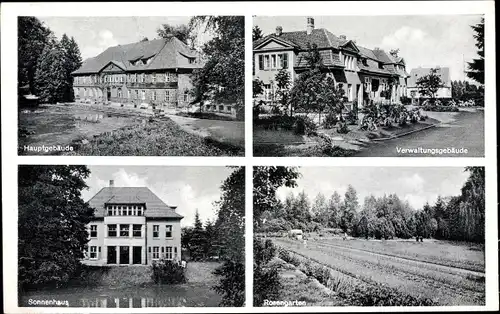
(51, 80)
(230, 226)
(198, 239)
(182, 32)
(266, 180)
(257, 87)
(334, 214)
(52, 221)
(320, 210)
(283, 81)
(32, 37)
(73, 61)
(429, 84)
(472, 210)
(256, 33)
(222, 77)
(349, 209)
(476, 67)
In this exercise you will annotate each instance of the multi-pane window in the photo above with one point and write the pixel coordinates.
(139, 211)
(93, 231)
(168, 252)
(170, 77)
(168, 231)
(124, 230)
(136, 230)
(186, 96)
(153, 95)
(175, 252)
(119, 93)
(111, 230)
(156, 231)
(273, 61)
(153, 78)
(136, 94)
(93, 252)
(143, 94)
(156, 252)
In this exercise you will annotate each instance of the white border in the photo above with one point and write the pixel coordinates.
(9, 14)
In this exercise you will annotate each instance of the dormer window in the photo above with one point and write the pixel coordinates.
(380, 65)
(191, 60)
(365, 61)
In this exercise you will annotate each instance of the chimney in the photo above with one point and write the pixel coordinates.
(279, 30)
(310, 25)
(111, 183)
(343, 37)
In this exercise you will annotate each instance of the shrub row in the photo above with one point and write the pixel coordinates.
(166, 271)
(300, 125)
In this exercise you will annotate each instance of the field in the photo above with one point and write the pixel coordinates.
(445, 273)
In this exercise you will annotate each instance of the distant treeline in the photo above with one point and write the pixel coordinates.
(458, 217)
(44, 62)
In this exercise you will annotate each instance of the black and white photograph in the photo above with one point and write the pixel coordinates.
(131, 236)
(369, 236)
(368, 86)
(131, 86)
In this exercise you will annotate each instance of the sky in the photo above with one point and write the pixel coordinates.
(188, 188)
(423, 40)
(417, 185)
(95, 34)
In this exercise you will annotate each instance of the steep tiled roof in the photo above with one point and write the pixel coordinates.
(321, 37)
(166, 53)
(155, 207)
(329, 58)
(417, 73)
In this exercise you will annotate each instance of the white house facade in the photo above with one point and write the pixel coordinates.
(132, 226)
(415, 74)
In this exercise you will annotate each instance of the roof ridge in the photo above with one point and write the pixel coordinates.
(158, 53)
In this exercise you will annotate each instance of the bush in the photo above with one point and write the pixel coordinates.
(166, 271)
(378, 295)
(267, 284)
(289, 258)
(330, 120)
(264, 251)
(342, 128)
(304, 126)
(232, 283)
(405, 100)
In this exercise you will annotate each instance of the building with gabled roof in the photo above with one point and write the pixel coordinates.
(417, 73)
(155, 72)
(132, 226)
(364, 74)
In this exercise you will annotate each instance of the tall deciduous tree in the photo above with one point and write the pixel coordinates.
(283, 82)
(52, 232)
(349, 209)
(222, 77)
(230, 225)
(182, 32)
(266, 180)
(476, 67)
(32, 37)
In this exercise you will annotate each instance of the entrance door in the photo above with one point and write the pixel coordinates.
(108, 93)
(111, 254)
(124, 255)
(136, 255)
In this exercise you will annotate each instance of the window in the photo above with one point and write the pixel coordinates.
(93, 231)
(136, 231)
(380, 65)
(153, 78)
(261, 62)
(221, 108)
(139, 211)
(267, 92)
(156, 231)
(111, 230)
(284, 61)
(156, 252)
(168, 231)
(267, 63)
(110, 211)
(143, 78)
(153, 95)
(274, 64)
(186, 96)
(168, 252)
(124, 230)
(119, 92)
(121, 78)
(349, 92)
(175, 252)
(128, 93)
(143, 94)
(93, 252)
(130, 211)
(136, 94)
